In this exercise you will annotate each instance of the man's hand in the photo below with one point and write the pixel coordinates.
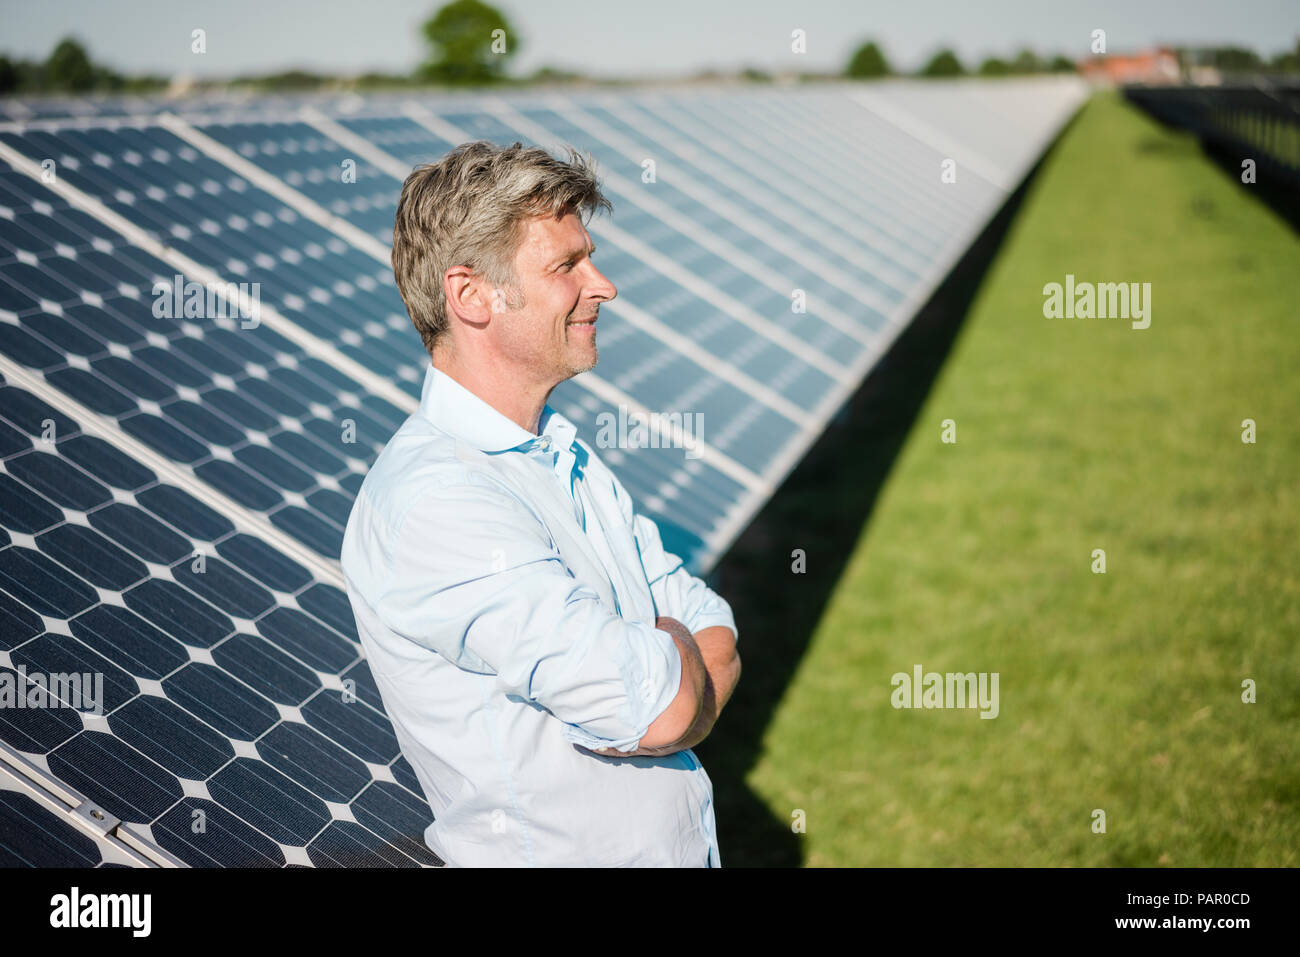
(722, 666)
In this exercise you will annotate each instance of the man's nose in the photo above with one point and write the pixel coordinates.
(599, 287)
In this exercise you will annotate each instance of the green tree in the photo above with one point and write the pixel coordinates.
(943, 63)
(69, 67)
(1288, 61)
(868, 61)
(465, 47)
(10, 78)
(554, 74)
(994, 67)
(1062, 64)
(1236, 60)
(375, 80)
(1026, 61)
(289, 81)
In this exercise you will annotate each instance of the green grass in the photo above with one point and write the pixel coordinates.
(1119, 691)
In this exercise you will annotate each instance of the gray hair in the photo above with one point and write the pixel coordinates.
(469, 208)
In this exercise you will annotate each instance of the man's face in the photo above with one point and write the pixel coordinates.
(553, 334)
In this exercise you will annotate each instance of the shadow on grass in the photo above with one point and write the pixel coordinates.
(822, 507)
(1270, 189)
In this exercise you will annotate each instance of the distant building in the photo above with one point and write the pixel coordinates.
(1204, 75)
(1150, 66)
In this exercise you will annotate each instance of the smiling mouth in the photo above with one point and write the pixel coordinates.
(582, 322)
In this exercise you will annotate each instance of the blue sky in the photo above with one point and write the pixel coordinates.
(619, 37)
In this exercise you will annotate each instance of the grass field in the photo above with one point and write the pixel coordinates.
(1119, 691)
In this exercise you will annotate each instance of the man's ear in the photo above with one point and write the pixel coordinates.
(469, 296)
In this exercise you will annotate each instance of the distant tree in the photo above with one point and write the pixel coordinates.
(554, 74)
(753, 74)
(374, 80)
(462, 36)
(1286, 62)
(69, 67)
(10, 77)
(29, 75)
(1062, 64)
(290, 81)
(943, 63)
(1236, 60)
(106, 79)
(143, 83)
(867, 61)
(1026, 61)
(993, 68)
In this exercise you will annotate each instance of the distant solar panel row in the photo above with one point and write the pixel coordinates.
(174, 488)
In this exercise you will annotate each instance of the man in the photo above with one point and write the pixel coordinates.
(546, 664)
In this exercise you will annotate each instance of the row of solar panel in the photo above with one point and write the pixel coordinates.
(338, 294)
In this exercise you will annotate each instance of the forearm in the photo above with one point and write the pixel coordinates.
(722, 671)
(717, 650)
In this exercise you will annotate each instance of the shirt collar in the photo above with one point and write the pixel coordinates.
(456, 410)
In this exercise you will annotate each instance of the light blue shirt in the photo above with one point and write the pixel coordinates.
(505, 591)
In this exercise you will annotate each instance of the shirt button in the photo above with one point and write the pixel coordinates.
(545, 443)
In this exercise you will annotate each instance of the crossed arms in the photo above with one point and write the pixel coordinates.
(468, 571)
(710, 670)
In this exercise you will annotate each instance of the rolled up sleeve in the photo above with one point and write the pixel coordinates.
(474, 576)
(677, 593)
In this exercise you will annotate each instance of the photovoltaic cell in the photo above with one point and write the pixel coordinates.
(32, 836)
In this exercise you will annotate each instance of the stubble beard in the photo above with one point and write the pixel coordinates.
(587, 365)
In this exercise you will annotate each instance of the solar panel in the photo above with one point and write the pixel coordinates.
(174, 487)
(32, 835)
(233, 696)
